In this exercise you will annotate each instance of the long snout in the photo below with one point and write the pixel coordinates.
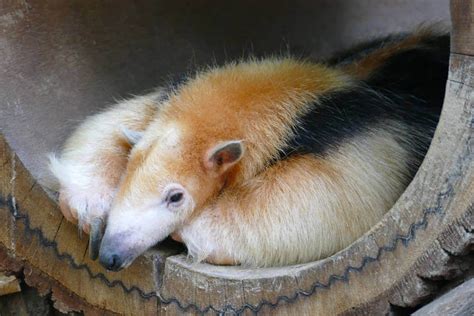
(131, 232)
(120, 247)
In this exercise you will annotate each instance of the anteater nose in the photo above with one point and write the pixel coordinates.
(111, 262)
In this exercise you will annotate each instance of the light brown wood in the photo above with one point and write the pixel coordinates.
(9, 284)
(426, 237)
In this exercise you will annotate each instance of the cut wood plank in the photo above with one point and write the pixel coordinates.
(9, 284)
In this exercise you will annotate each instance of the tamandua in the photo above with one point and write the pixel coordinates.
(260, 162)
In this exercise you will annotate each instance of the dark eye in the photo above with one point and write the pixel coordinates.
(175, 197)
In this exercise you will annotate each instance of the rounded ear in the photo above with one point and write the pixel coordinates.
(223, 156)
(132, 136)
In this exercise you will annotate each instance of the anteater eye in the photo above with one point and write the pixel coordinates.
(176, 197)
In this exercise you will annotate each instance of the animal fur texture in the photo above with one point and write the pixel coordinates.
(263, 162)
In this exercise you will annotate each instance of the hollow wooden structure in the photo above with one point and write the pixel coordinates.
(425, 239)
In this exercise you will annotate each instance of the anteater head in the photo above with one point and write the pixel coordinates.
(173, 170)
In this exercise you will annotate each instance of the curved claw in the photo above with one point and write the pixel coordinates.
(95, 237)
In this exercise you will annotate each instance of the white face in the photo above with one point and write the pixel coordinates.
(131, 230)
(151, 204)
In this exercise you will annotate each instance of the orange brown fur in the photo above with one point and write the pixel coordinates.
(261, 99)
(93, 159)
(254, 193)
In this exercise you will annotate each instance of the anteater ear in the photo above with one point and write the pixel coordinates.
(224, 155)
(132, 136)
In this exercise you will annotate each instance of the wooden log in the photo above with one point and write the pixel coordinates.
(426, 236)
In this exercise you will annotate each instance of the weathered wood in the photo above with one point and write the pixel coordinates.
(462, 12)
(27, 302)
(457, 302)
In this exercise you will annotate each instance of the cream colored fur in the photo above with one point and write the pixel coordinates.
(309, 218)
(94, 157)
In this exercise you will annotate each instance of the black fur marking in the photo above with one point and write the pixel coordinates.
(406, 91)
(421, 72)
